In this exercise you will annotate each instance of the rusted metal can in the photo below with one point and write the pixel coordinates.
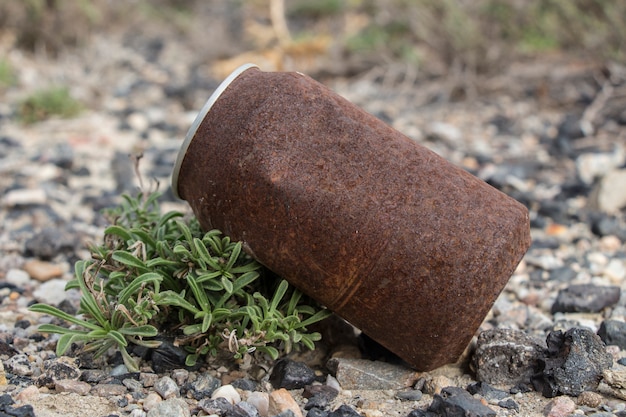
(404, 245)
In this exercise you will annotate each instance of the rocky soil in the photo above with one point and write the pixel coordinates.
(551, 132)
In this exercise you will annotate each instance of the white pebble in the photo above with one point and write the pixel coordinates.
(261, 401)
(51, 292)
(227, 391)
(17, 277)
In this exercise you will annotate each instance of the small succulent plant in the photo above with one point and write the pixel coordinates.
(158, 274)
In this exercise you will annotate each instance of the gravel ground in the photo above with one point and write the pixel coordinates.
(549, 132)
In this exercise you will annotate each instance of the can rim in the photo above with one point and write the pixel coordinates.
(198, 120)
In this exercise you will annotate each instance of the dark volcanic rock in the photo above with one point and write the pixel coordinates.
(290, 374)
(505, 356)
(456, 402)
(613, 332)
(573, 364)
(585, 298)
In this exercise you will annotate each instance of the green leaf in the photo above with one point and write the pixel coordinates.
(279, 294)
(234, 255)
(118, 231)
(206, 322)
(144, 237)
(139, 331)
(53, 311)
(129, 259)
(227, 284)
(118, 338)
(170, 298)
(143, 279)
(319, 316)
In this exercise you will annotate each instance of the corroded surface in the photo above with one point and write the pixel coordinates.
(406, 246)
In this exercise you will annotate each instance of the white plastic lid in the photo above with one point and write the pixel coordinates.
(199, 118)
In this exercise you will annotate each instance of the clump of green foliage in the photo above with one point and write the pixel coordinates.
(54, 101)
(161, 271)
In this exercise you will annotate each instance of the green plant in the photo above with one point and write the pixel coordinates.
(158, 271)
(8, 77)
(54, 101)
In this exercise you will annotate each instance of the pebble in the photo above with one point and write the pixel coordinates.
(167, 388)
(609, 195)
(366, 374)
(280, 401)
(152, 400)
(586, 298)
(170, 407)
(261, 401)
(590, 399)
(454, 401)
(108, 390)
(574, 363)
(228, 392)
(507, 357)
(71, 385)
(290, 374)
(203, 387)
(51, 292)
(42, 271)
(613, 332)
(560, 407)
(17, 277)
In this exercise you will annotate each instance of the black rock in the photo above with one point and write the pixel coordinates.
(219, 406)
(562, 274)
(290, 374)
(168, 356)
(613, 332)
(242, 409)
(506, 356)
(456, 402)
(585, 298)
(319, 396)
(244, 384)
(202, 387)
(409, 395)
(509, 404)
(422, 413)
(486, 391)
(49, 243)
(316, 412)
(574, 363)
(344, 411)
(6, 410)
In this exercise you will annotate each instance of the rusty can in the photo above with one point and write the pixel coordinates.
(406, 246)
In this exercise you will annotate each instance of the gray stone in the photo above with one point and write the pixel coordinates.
(202, 387)
(609, 195)
(505, 356)
(171, 407)
(456, 402)
(19, 365)
(585, 298)
(366, 374)
(58, 369)
(574, 363)
(167, 388)
(613, 332)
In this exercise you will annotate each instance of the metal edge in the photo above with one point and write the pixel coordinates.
(198, 120)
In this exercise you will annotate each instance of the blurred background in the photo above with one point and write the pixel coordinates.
(420, 39)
